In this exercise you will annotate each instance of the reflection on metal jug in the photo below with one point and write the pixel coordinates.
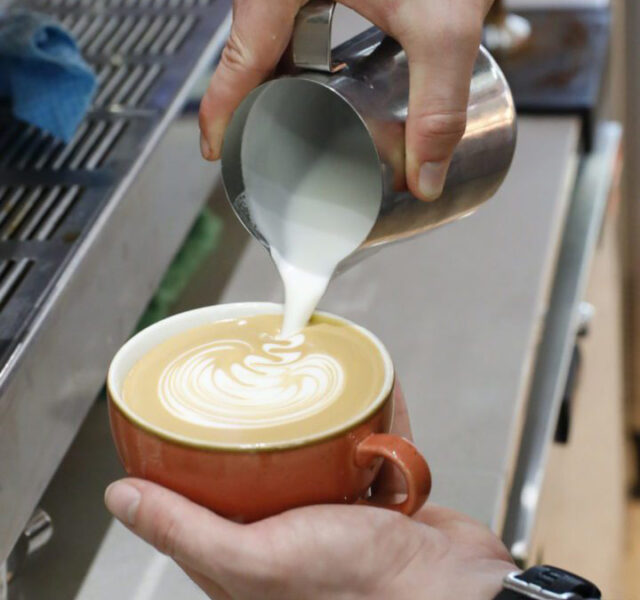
(370, 74)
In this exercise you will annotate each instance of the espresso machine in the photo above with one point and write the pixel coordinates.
(554, 58)
(87, 230)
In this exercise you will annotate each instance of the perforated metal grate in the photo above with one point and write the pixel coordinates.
(99, 4)
(128, 34)
(124, 85)
(12, 273)
(34, 213)
(25, 147)
(51, 192)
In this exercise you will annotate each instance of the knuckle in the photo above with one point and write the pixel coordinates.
(442, 124)
(449, 31)
(237, 55)
(466, 30)
(391, 14)
(167, 535)
(391, 8)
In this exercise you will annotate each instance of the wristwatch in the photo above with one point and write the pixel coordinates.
(547, 583)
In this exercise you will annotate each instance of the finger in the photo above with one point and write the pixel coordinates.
(177, 527)
(259, 35)
(390, 482)
(441, 42)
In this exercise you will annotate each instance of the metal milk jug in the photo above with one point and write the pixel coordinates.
(367, 78)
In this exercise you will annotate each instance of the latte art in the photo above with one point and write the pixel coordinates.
(226, 383)
(238, 382)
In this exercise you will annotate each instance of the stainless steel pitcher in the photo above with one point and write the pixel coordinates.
(370, 74)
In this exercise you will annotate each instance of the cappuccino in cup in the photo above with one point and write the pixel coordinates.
(236, 382)
(214, 405)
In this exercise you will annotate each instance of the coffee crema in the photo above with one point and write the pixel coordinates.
(236, 382)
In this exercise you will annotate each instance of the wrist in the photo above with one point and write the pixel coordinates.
(494, 578)
(481, 580)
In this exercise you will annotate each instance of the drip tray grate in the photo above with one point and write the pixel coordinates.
(23, 147)
(12, 274)
(124, 85)
(50, 192)
(110, 4)
(132, 35)
(34, 213)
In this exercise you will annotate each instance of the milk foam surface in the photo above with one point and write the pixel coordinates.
(313, 189)
(236, 382)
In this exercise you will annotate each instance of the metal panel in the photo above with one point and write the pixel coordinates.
(561, 326)
(50, 192)
(82, 246)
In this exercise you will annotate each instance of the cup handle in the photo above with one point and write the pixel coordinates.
(405, 456)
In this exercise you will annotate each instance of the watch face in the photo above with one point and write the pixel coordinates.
(559, 581)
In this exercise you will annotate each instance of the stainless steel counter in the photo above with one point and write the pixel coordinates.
(461, 310)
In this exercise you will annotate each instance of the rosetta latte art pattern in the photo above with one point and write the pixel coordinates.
(229, 384)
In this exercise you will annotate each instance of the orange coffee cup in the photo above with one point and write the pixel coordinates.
(250, 482)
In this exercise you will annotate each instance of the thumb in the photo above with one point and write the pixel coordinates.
(441, 53)
(188, 533)
(259, 35)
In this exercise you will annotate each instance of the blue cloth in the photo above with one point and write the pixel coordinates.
(43, 74)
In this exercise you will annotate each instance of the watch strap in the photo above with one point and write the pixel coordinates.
(544, 582)
(509, 595)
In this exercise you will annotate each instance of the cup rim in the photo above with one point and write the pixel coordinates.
(241, 309)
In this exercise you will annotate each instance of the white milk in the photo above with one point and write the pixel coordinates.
(313, 187)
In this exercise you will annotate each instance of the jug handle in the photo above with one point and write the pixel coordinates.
(311, 40)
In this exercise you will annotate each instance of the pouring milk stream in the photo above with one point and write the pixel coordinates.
(314, 195)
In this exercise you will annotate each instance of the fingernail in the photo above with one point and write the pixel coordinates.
(431, 179)
(211, 144)
(122, 500)
(205, 148)
(216, 138)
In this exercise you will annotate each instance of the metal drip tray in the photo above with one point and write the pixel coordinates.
(67, 212)
(135, 46)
